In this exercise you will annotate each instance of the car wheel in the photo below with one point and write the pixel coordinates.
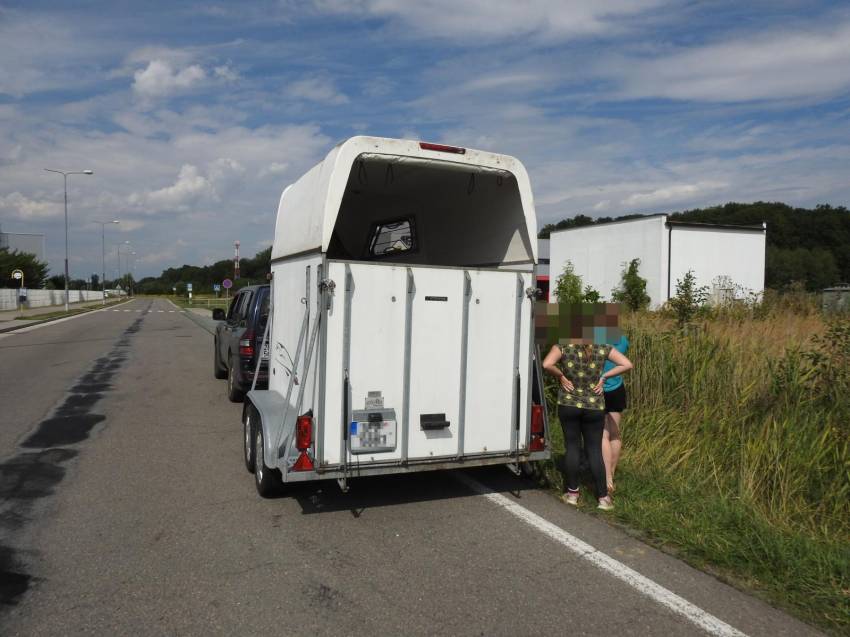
(219, 371)
(266, 480)
(234, 391)
(248, 437)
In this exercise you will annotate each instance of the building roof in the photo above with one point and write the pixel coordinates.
(717, 226)
(673, 223)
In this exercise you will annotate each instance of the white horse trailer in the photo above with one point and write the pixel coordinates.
(401, 329)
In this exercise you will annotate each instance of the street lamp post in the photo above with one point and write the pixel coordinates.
(118, 252)
(130, 269)
(103, 225)
(65, 177)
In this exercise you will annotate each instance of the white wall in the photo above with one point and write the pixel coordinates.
(599, 252)
(43, 298)
(714, 252)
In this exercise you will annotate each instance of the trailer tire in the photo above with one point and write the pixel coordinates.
(219, 370)
(249, 417)
(234, 392)
(266, 480)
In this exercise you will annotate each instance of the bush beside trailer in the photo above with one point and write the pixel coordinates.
(402, 318)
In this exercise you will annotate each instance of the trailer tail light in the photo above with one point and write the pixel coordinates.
(442, 148)
(303, 442)
(246, 344)
(538, 432)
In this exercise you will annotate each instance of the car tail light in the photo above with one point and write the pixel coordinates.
(303, 442)
(246, 344)
(538, 432)
(442, 148)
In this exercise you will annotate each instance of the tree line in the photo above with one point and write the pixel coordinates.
(251, 270)
(804, 245)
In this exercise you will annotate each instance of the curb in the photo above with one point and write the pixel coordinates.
(192, 317)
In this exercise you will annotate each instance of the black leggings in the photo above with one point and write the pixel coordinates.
(588, 424)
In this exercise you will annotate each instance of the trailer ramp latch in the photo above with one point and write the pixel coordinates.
(327, 285)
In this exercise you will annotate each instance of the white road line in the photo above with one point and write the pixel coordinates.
(656, 592)
(160, 311)
(171, 311)
(126, 310)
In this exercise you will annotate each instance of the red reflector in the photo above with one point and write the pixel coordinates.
(537, 419)
(304, 463)
(442, 148)
(303, 434)
(538, 441)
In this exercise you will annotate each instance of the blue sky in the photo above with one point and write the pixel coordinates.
(195, 116)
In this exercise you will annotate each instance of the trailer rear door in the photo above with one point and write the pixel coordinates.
(438, 349)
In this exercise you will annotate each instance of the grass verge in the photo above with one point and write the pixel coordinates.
(736, 456)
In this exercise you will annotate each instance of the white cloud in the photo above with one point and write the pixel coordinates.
(464, 22)
(18, 206)
(673, 193)
(190, 187)
(777, 64)
(160, 79)
(316, 89)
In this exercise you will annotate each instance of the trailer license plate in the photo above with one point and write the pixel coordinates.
(265, 351)
(373, 436)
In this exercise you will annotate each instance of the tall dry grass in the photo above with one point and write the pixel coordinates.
(738, 407)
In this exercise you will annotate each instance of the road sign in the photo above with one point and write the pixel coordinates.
(188, 287)
(17, 274)
(227, 284)
(216, 287)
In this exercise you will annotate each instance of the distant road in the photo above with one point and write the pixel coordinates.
(125, 508)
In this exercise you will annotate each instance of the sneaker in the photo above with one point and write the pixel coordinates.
(606, 503)
(570, 497)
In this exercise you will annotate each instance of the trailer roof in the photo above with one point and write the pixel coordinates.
(308, 209)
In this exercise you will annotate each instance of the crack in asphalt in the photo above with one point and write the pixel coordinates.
(34, 473)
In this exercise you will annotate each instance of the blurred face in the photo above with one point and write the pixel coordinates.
(577, 323)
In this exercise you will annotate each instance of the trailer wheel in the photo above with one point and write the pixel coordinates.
(249, 415)
(234, 392)
(219, 371)
(266, 480)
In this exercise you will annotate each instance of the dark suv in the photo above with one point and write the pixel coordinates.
(238, 339)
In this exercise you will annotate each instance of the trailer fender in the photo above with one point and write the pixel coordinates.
(269, 406)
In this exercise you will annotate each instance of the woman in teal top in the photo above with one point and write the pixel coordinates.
(615, 404)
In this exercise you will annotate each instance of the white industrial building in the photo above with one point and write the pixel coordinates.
(727, 259)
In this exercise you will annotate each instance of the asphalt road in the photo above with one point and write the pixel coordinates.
(125, 508)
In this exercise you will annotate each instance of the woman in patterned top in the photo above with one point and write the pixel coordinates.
(578, 367)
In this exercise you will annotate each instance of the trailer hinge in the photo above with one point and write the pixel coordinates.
(327, 285)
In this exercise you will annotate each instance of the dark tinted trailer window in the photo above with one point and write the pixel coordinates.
(392, 237)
